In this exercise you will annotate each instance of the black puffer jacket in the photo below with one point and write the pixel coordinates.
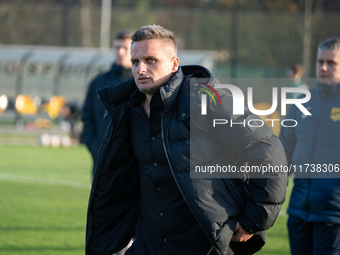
(216, 203)
(93, 109)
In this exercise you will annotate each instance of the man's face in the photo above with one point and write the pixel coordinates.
(328, 66)
(122, 52)
(153, 63)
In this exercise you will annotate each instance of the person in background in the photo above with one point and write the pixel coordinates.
(94, 124)
(70, 114)
(295, 73)
(313, 146)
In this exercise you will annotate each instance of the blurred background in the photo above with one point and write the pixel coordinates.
(51, 49)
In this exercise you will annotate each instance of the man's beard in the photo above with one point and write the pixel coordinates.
(149, 91)
(328, 81)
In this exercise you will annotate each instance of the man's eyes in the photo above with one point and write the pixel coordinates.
(147, 61)
(331, 63)
(151, 60)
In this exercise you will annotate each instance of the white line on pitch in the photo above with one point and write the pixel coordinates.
(17, 178)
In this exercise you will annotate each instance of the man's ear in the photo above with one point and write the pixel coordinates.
(175, 64)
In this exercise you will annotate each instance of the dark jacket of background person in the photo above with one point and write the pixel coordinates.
(315, 140)
(93, 110)
(216, 203)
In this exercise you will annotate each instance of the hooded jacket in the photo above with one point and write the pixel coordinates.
(216, 203)
(315, 141)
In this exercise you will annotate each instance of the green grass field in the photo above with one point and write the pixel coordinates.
(43, 202)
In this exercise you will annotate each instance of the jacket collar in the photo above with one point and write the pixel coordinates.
(169, 91)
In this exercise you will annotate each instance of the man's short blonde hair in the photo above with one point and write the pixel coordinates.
(154, 32)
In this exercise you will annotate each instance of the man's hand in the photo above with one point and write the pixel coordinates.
(240, 235)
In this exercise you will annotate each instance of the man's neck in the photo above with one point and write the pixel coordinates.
(146, 105)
